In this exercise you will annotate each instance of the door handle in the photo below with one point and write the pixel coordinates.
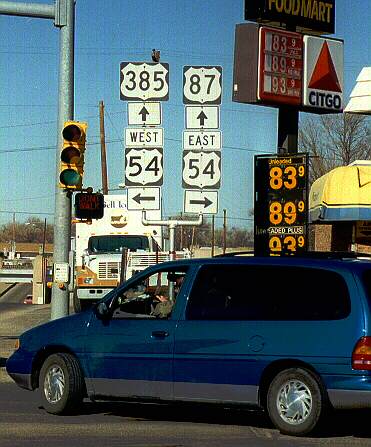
(160, 334)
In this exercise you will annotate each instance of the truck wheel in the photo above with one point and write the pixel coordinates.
(295, 401)
(76, 303)
(61, 384)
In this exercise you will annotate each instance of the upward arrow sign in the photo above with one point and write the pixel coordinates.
(202, 117)
(144, 113)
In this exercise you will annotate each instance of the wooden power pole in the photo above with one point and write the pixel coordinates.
(103, 149)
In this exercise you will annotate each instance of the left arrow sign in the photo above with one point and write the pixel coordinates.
(144, 198)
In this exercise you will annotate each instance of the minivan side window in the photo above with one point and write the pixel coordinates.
(250, 292)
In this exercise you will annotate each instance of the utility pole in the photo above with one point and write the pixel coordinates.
(224, 231)
(63, 14)
(103, 148)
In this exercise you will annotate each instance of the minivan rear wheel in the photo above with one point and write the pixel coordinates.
(295, 402)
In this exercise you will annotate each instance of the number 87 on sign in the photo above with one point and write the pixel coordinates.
(202, 85)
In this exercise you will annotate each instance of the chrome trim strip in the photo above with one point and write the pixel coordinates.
(216, 392)
(132, 388)
(348, 399)
(183, 391)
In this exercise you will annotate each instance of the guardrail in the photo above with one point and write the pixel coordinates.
(16, 275)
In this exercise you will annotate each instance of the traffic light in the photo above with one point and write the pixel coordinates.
(71, 169)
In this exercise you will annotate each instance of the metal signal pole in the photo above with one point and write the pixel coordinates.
(63, 14)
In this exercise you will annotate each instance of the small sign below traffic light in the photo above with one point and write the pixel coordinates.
(72, 155)
(89, 205)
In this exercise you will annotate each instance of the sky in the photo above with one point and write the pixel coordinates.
(107, 33)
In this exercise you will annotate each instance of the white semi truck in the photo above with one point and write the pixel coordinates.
(100, 246)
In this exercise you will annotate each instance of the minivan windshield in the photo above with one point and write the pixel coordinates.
(116, 243)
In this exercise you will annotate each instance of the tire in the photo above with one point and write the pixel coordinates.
(295, 401)
(76, 303)
(61, 384)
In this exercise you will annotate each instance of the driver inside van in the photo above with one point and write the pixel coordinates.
(165, 304)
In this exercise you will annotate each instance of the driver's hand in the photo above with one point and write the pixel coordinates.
(161, 298)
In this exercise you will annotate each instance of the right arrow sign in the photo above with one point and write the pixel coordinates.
(200, 202)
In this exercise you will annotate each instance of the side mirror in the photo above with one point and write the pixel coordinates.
(102, 310)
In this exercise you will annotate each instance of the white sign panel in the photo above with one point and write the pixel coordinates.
(202, 85)
(323, 73)
(202, 139)
(200, 202)
(202, 117)
(144, 198)
(144, 81)
(144, 167)
(61, 271)
(144, 113)
(201, 169)
(145, 137)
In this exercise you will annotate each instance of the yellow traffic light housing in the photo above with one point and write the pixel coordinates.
(71, 170)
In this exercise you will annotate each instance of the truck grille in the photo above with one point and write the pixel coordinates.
(109, 270)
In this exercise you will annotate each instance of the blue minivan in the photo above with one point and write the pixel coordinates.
(289, 335)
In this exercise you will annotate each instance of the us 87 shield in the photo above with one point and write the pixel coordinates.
(202, 85)
(144, 167)
(144, 81)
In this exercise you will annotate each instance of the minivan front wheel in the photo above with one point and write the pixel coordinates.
(61, 384)
(295, 402)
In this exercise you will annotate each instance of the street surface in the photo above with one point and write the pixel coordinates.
(24, 423)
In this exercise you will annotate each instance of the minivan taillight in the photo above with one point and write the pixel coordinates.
(361, 357)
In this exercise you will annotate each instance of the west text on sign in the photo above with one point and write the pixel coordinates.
(147, 137)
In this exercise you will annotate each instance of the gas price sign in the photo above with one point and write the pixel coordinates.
(280, 66)
(281, 204)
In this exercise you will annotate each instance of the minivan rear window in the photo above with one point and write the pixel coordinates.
(251, 292)
(366, 277)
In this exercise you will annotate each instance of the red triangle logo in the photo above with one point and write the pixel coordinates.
(324, 75)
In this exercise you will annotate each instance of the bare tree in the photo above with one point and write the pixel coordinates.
(334, 140)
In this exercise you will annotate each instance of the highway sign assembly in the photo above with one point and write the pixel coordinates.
(144, 198)
(144, 114)
(143, 167)
(200, 202)
(200, 117)
(144, 81)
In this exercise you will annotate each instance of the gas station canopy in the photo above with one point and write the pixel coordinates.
(343, 194)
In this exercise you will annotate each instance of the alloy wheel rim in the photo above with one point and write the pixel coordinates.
(54, 384)
(294, 402)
